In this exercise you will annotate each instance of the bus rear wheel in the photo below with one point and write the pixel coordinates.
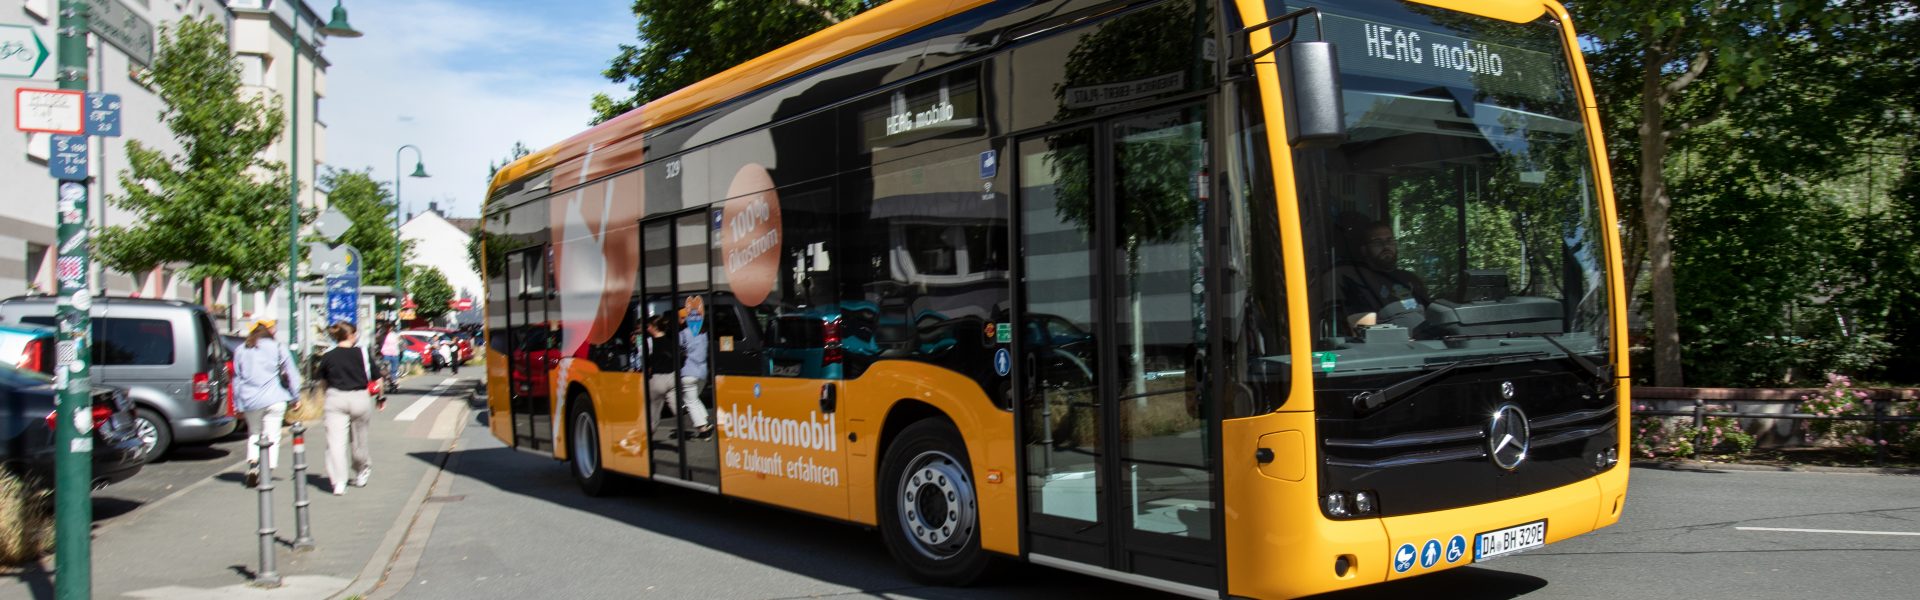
(928, 513)
(584, 458)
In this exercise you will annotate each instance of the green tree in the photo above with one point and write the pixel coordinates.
(1664, 68)
(216, 205)
(685, 41)
(369, 204)
(430, 292)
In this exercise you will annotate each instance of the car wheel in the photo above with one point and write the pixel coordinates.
(583, 439)
(155, 436)
(928, 514)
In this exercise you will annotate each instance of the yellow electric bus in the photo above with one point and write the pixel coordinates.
(1249, 298)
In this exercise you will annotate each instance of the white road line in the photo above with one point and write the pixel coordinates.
(1913, 533)
(419, 406)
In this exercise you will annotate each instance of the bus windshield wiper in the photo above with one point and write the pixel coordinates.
(1367, 401)
(1599, 372)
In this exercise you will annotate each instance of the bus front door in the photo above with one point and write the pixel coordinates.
(1118, 471)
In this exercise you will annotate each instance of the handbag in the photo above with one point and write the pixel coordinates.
(366, 364)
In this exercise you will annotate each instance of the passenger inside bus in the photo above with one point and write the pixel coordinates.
(1374, 290)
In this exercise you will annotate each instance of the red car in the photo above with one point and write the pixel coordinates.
(418, 345)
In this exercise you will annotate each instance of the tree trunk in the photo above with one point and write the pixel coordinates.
(1654, 207)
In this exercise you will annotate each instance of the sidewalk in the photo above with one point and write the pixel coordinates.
(203, 541)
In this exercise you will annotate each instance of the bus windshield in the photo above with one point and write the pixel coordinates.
(1459, 219)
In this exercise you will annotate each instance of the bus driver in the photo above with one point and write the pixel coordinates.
(1374, 290)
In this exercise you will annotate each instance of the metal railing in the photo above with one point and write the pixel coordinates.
(1878, 400)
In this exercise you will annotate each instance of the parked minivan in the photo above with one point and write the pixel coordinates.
(165, 353)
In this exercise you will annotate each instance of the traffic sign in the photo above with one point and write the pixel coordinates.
(50, 111)
(120, 26)
(328, 259)
(103, 114)
(24, 53)
(68, 159)
(343, 293)
(332, 224)
(460, 304)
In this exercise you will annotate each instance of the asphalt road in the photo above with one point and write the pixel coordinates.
(513, 525)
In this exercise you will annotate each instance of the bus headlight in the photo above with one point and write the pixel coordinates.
(1363, 503)
(1336, 505)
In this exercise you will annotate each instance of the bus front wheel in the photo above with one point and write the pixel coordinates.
(928, 513)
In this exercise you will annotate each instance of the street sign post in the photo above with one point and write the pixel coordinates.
(103, 114)
(73, 404)
(23, 52)
(343, 291)
(67, 160)
(50, 111)
(120, 26)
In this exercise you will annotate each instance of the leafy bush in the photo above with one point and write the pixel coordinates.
(1654, 436)
(1839, 399)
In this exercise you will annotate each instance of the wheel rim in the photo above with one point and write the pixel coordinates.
(148, 433)
(585, 444)
(935, 504)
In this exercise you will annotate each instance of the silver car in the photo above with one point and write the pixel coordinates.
(165, 353)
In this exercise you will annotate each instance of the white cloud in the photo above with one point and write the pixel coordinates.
(463, 82)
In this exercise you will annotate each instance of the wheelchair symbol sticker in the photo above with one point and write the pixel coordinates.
(1456, 548)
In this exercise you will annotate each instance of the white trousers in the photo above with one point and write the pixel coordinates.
(690, 399)
(265, 421)
(348, 414)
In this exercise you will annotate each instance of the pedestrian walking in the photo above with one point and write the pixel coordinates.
(264, 381)
(352, 384)
(449, 354)
(390, 349)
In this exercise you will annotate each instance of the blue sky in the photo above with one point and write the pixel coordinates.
(463, 80)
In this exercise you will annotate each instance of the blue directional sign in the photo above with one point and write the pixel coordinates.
(103, 114)
(67, 160)
(989, 164)
(343, 292)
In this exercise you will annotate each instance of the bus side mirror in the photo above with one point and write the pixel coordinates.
(1310, 81)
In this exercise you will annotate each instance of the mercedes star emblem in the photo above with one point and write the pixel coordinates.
(1508, 437)
(1506, 390)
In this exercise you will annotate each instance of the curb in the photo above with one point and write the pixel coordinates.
(1709, 467)
(373, 576)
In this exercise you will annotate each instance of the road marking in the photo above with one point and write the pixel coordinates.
(419, 406)
(1913, 533)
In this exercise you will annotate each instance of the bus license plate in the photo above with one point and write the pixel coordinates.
(1499, 543)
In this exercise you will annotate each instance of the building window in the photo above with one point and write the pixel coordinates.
(36, 262)
(253, 69)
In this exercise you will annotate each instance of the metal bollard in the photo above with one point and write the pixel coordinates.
(303, 540)
(267, 577)
(1699, 426)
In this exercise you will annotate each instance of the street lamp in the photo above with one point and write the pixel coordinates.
(337, 27)
(399, 252)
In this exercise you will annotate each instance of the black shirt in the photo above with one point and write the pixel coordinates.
(346, 369)
(1364, 289)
